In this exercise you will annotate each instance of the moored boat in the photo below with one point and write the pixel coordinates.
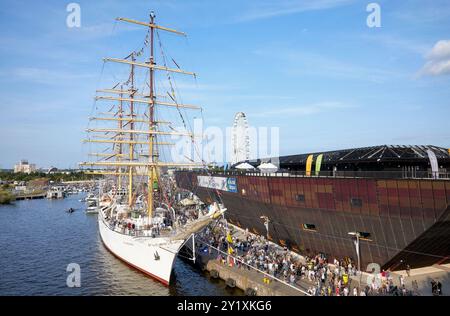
(138, 217)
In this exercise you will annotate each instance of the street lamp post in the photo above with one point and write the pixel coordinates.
(266, 224)
(357, 235)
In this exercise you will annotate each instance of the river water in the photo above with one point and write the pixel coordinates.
(38, 240)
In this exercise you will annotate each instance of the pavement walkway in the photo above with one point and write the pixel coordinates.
(423, 276)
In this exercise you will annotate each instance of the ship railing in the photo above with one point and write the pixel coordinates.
(141, 232)
(400, 174)
(137, 232)
(145, 232)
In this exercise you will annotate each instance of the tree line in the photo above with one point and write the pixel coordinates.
(56, 177)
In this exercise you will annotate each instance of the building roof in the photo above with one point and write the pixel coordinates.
(382, 153)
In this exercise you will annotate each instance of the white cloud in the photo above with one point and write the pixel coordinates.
(440, 50)
(438, 60)
(303, 110)
(272, 8)
(45, 76)
(305, 63)
(396, 42)
(419, 12)
(196, 87)
(100, 30)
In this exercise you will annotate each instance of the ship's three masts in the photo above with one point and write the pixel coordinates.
(132, 97)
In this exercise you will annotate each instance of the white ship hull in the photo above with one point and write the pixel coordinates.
(152, 256)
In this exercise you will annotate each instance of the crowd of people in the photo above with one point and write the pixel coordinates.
(436, 288)
(136, 226)
(314, 274)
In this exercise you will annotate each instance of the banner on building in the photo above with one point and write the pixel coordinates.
(318, 164)
(309, 161)
(219, 183)
(434, 164)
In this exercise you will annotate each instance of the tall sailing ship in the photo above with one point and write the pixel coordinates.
(138, 219)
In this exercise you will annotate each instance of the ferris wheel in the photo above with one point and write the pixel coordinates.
(240, 138)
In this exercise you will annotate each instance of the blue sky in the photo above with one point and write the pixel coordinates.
(312, 68)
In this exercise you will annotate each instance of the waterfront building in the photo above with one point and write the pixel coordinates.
(25, 167)
(385, 205)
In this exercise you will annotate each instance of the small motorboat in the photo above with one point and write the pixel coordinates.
(92, 209)
(70, 210)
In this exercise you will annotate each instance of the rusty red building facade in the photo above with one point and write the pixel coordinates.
(400, 221)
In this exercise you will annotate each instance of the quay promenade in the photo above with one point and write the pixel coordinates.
(261, 267)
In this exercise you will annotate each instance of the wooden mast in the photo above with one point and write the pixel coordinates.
(131, 144)
(148, 102)
(134, 131)
(135, 142)
(151, 169)
(121, 166)
(126, 119)
(124, 61)
(119, 156)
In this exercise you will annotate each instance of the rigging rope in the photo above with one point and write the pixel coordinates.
(172, 95)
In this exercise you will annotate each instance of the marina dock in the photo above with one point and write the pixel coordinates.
(31, 195)
(250, 281)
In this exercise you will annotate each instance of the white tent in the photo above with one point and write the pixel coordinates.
(267, 167)
(245, 166)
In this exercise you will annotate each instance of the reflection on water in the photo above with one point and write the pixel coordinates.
(39, 239)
